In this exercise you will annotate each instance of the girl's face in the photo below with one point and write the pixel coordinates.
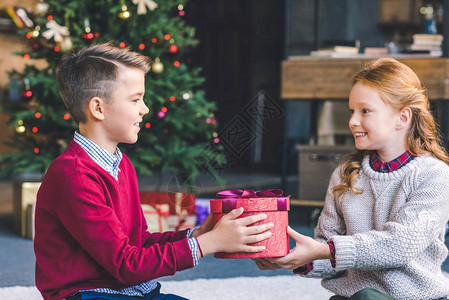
(375, 124)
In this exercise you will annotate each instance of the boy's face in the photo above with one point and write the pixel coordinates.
(125, 109)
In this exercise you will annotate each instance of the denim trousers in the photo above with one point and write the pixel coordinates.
(153, 295)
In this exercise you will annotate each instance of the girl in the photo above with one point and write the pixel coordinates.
(381, 232)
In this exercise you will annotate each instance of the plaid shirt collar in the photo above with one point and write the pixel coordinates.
(379, 166)
(103, 158)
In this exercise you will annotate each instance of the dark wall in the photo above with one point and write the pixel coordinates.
(337, 20)
(241, 47)
(242, 44)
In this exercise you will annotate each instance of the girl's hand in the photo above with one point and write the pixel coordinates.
(205, 227)
(305, 251)
(231, 234)
(265, 264)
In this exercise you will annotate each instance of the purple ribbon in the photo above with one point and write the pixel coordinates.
(229, 201)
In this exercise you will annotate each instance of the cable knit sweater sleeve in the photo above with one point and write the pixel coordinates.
(408, 210)
(330, 223)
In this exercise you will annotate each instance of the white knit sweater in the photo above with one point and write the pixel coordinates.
(390, 237)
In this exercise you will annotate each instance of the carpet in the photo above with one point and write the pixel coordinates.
(260, 288)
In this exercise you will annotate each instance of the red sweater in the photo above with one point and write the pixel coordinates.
(91, 232)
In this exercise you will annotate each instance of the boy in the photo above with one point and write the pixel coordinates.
(91, 237)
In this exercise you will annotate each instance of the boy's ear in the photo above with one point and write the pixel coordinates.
(95, 108)
(405, 117)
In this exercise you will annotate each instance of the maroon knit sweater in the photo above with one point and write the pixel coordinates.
(91, 232)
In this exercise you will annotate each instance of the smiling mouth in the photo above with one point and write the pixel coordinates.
(357, 134)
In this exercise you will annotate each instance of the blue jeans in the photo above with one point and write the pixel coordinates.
(153, 295)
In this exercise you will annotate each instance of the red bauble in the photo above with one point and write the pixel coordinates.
(35, 45)
(27, 94)
(88, 36)
(173, 49)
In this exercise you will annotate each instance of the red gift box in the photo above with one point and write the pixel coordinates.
(269, 202)
(179, 203)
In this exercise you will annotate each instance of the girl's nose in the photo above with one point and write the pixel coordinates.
(353, 121)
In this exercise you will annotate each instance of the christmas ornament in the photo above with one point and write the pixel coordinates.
(187, 96)
(20, 129)
(66, 44)
(88, 36)
(173, 49)
(125, 13)
(55, 31)
(157, 66)
(19, 16)
(41, 8)
(142, 6)
(35, 45)
(35, 32)
(27, 94)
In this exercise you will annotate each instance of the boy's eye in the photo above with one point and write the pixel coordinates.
(351, 111)
(365, 111)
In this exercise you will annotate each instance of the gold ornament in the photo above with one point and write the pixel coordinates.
(157, 66)
(125, 13)
(20, 129)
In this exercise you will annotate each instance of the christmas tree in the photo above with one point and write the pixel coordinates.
(178, 134)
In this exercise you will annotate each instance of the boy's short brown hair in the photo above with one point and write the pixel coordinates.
(93, 71)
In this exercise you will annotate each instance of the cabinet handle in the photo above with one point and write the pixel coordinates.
(326, 157)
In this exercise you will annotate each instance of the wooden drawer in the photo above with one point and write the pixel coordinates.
(315, 167)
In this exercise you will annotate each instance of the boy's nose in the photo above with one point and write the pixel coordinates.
(145, 109)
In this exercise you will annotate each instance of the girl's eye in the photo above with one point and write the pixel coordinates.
(351, 111)
(365, 111)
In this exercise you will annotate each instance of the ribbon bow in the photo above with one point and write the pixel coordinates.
(235, 193)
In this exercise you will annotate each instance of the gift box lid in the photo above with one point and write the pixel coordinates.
(269, 200)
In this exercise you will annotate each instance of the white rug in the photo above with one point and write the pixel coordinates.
(260, 288)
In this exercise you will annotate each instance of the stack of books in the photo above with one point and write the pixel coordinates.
(338, 50)
(427, 44)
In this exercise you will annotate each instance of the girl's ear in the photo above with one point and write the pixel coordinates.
(405, 117)
(95, 108)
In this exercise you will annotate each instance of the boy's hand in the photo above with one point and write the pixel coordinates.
(265, 264)
(205, 227)
(306, 250)
(233, 235)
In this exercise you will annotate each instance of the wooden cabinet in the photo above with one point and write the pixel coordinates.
(312, 78)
